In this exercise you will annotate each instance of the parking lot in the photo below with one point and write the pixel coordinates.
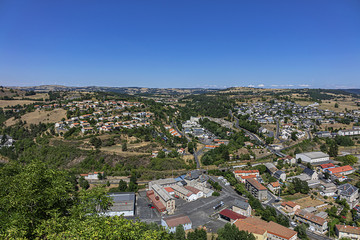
(143, 212)
(200, 212)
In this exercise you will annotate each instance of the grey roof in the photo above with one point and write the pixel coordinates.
(161, 192)
(347, 189)
(278, 173)
(194, 174)
(241, 204)
(314, 155)
(122, 202)
(309, 171)
(120, 197)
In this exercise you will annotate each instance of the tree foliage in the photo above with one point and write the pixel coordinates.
(231, 232)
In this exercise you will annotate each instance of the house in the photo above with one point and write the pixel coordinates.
(242, 207)
(194, 174)
(289, 160)
(339, 177)
(256, 189)
(328, 189)
(316, 223)
(239, 173)
(197, 192)
(290, 206)
(230, 215)
(243, 178)
(265, 230)
(313, 157)
(184, 193)
(344, 170)
(170, 223)
(350, 193)
(274, 187)
(311, 173)
(6, 141)
(280, 175)
(123, 205)
(271, 168)
(93, 175)
(346, 231)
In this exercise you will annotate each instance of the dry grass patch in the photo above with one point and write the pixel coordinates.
(117, 149)
(308, 202)
(11, 103)
(40, 116)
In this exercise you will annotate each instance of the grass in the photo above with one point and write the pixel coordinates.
(294, 197)
(40, 116)
(11, 103)
(308, 202)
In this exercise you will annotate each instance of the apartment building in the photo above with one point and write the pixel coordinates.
(256, 189)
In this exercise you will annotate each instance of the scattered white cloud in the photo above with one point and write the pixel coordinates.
(274, 85)
(304, 85)
(261, 85)
(251, 85)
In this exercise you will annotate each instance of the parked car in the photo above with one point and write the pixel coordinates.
(219, 205)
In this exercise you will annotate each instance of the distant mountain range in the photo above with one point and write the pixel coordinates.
(122, 90)
(352, 91)
(145, 91)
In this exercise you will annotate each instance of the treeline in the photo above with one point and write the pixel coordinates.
(213, 106)
(220, 155)
(215, 128)
(251, 126)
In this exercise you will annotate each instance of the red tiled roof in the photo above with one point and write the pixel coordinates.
(169, 189)
(231, 214)
(157, 203)
(348, 229)
(341, 169)
(256, 184)
(175, 221)
(289, 203)
(192, 189)
(249, 176)
(327, 165)
(246, 171)
(275, 184)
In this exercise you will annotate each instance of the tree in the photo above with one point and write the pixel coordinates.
(301, 229)
(191, 147)
(122, 185)
(84, 184)
(333, 150)
(96, 142)
(179, 233)
(293, 136)
(323, 148)
(231, 232)
(3, 139)
(198, 234)
(336, 105)
(30, 194)
(124, 147)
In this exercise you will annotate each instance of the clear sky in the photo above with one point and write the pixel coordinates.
(187, 43)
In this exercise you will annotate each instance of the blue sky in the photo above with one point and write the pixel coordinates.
(210, 43)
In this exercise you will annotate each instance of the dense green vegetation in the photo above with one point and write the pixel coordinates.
(205, 105)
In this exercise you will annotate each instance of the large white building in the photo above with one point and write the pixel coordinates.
(313, 157)
(123, 204)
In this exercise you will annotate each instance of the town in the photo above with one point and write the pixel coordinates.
(267, 165)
